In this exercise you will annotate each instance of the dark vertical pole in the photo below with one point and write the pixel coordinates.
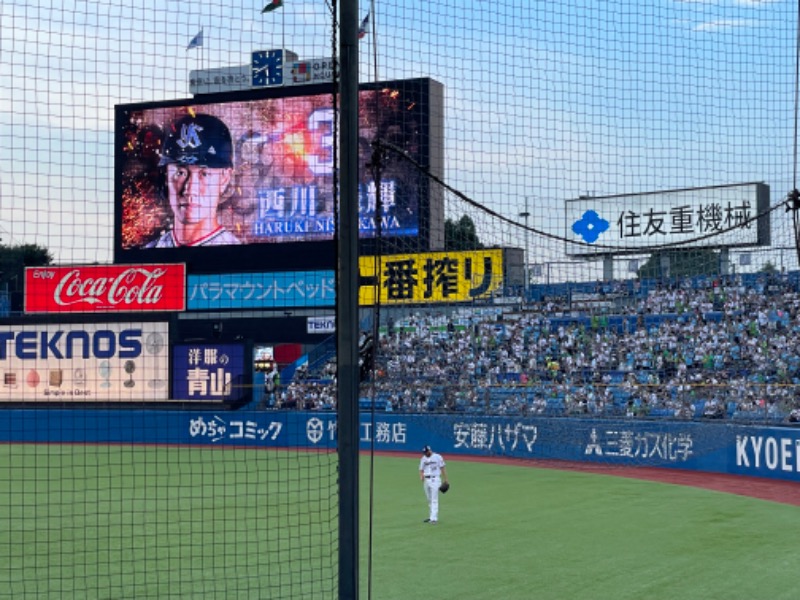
(347, 304)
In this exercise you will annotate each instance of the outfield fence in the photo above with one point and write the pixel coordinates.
(728, 448)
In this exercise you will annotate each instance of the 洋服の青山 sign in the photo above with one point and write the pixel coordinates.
(105, 288)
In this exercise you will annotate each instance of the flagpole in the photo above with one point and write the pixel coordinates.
(373, 26)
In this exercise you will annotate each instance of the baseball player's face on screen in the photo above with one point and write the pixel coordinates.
(194, 193)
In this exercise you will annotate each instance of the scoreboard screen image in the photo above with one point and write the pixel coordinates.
(258, 169)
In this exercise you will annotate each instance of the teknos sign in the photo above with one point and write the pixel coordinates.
(85, 362)
(105, 288)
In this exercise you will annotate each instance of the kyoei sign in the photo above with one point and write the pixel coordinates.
(105, 288)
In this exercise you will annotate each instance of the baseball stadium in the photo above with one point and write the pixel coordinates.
(385, 300)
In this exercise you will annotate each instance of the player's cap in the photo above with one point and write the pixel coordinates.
(426, 449)
(201, 140)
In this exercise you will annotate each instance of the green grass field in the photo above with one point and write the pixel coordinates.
(516, 532)
(144, 522)
(122, 522)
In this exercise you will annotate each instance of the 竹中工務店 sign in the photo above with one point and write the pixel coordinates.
(430, 277)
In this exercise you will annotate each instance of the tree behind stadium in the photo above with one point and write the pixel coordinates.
(13, 260)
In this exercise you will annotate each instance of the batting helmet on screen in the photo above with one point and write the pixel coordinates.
(201, 140)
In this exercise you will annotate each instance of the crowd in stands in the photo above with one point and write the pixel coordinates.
(702, 348)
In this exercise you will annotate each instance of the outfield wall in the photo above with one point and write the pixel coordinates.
(771, 452)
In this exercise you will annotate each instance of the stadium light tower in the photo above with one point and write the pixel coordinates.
(526, 259)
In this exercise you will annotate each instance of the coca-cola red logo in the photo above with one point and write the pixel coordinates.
(137, 286)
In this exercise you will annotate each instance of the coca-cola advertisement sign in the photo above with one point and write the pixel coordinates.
(105, 288)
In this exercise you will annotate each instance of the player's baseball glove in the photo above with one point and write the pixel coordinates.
(444, 487)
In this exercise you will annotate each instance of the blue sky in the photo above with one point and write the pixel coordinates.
(544, 100)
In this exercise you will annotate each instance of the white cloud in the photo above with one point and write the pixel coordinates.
(722, 24)
(723, 2)
(755, 2)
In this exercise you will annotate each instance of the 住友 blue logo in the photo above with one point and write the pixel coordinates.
(590, 226)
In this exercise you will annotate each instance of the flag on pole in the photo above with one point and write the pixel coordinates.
(197, 41)
(362, 30)
(272, 6)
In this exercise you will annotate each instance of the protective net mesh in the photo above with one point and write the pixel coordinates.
(607, 153)
(569, 209)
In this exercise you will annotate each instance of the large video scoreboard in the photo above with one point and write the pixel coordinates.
(279, 203)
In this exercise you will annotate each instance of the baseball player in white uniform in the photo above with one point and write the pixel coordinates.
(197, 158)
(432, 473)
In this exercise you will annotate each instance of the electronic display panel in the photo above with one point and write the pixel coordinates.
(229, 175)
(85, 362)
